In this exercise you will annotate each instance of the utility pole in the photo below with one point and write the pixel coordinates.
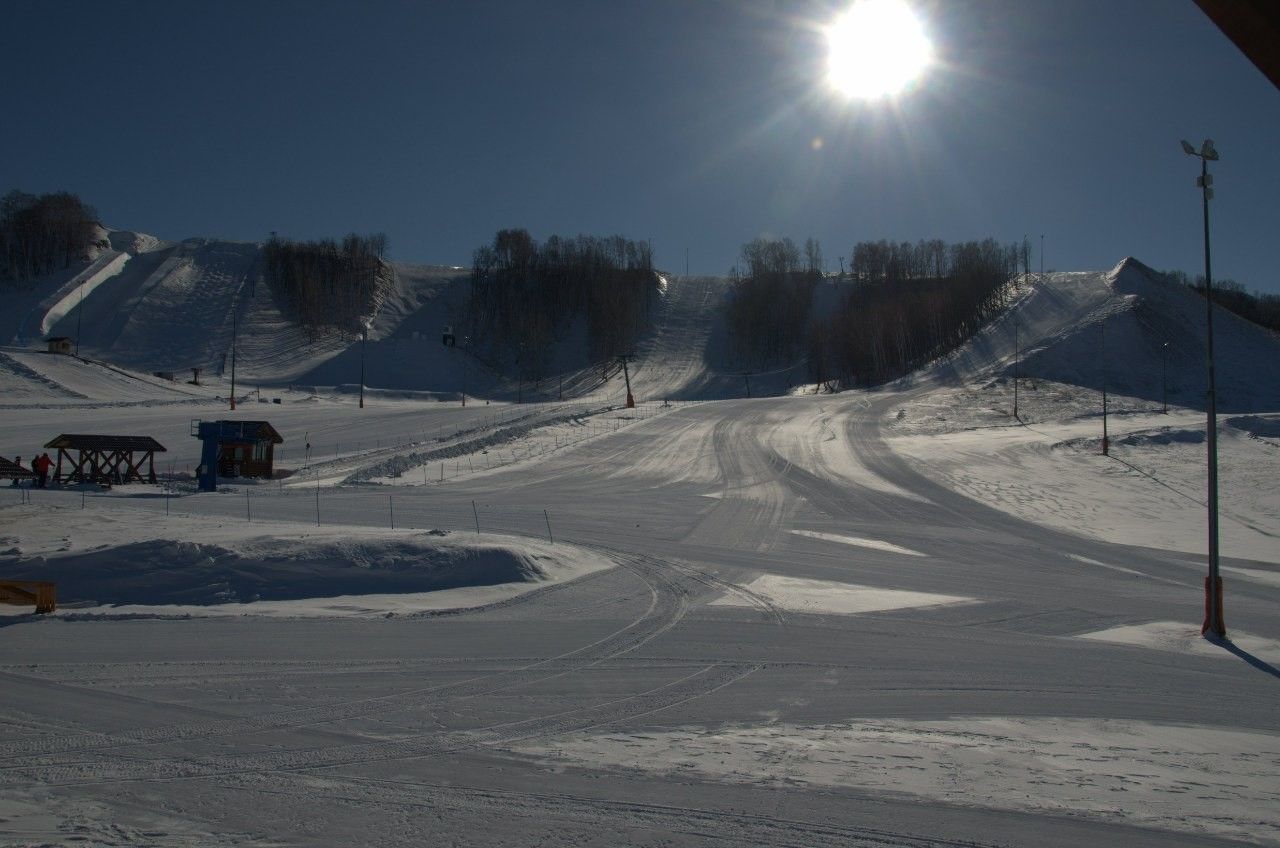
(80, 321)
(1015, 370)
(1213, 621)
(626, 374)
(364, 337)
(235, 327)
(1106, 444)
(1164, 378)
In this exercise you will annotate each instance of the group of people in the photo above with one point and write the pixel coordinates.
(39, 467)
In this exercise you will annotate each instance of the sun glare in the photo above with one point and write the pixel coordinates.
(876, 49)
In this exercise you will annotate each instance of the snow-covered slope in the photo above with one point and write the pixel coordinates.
(148, 305)
(1129, 327)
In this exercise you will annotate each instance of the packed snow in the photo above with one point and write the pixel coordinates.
(904, 616)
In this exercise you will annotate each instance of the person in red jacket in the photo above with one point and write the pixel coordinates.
(42, 465)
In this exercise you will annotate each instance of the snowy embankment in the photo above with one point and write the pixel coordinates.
(207, 567)
(1142, 338)
(81, 286)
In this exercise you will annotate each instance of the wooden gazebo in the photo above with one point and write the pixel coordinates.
(105, 459)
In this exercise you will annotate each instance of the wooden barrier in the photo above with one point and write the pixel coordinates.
(23, 593)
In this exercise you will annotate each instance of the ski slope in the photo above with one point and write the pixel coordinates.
(900, 617)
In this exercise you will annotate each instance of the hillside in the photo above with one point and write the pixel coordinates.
(145, 306)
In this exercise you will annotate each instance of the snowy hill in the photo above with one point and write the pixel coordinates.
(1079, 329)
(147, 306)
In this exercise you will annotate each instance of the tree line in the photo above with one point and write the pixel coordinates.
(916, 304)
(1259, 307)
(39, 234)
(906, 304)
(326, 285)
(770, 301)
(525, 296)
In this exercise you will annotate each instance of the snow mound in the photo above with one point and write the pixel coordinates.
(1258, 426)
(171, 571)
(1162, 436)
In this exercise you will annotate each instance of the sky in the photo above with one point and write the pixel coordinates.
(696, 124)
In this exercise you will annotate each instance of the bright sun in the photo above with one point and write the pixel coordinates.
(876, 49)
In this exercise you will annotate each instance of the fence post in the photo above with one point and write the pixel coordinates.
(477, 515)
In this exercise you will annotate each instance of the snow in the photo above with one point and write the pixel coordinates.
(903, 616)
(877, 544)
(205, 567)
(1207, 780)
(826, 596)
(1179, 638)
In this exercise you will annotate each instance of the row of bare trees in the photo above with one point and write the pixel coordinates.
(769, 303)
(1259, 307)
(909, 306)
(326, 285)
(41, 233)
(525, 295)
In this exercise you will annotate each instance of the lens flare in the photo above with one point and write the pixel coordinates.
(876, 49)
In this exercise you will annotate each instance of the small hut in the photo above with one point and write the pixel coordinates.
(235, 449)
(105, 459)
(60, 344)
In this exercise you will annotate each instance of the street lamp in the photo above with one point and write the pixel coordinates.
(1164, 378)
(1213, 623)
(1106, 442)
(364, 337)
(235, 325)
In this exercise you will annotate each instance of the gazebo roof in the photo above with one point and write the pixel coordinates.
(105, 443)
(9, 468)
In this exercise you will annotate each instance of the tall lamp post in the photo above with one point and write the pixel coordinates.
(235, 325)
(1106, 442)
(1213, 622)
(1164, 377)
(364, 337)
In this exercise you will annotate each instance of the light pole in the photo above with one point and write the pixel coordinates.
(1015, 370)
(1213, 622)
(79, 320)
(364, 337)
(235, 327)
(1106, 443)
(1164, 378)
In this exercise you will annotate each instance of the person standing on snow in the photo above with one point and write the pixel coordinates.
(42, 464)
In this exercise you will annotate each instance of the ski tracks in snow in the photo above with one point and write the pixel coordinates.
(96, 758)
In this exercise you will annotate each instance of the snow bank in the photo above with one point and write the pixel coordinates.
(213, 568)
(103, 269)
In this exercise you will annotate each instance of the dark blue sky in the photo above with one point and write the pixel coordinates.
(688, 122)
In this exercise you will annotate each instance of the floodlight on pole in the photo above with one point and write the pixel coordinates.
(1213, 620)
